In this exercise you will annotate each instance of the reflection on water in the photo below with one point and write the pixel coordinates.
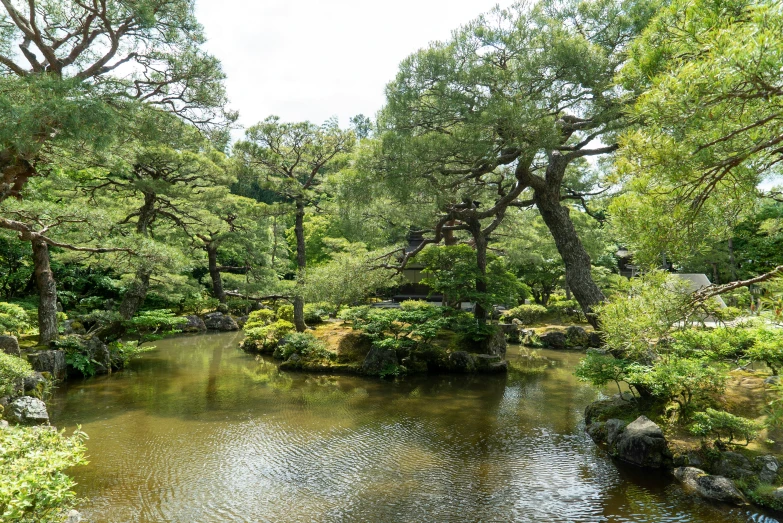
(198, 431)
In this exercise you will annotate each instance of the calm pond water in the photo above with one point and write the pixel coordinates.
(198, 431)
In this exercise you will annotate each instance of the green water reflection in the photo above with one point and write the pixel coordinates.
(199, 431)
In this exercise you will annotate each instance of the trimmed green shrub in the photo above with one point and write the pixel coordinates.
(259, 318)
(12, 370)
(304, 343)
(13, 319)
(267, 337)
(285, 312)
(726, 427)
(527, 314)
(33, 486)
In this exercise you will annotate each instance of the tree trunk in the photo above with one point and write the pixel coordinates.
(301, 265)
(47, 292)
(573, 253)
(134, 296)
(732, 261)
(479, 312)
(214, 273)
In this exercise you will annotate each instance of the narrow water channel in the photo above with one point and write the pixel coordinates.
(198, 431)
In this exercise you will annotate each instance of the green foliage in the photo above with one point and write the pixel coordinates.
(198, 304)
(305, 344)
(599, 369)
(527, 314)
(767, 348)
(285, 312)
(13, 319)
(453, 272)
(259, 318)
(678, 379)
(409, 327)
(565, 309)
(267, 337)
(726, 427)
(644, 312)
(33, 485)
(124, 352)
(153, 324)
(314, 313)
(12, 370)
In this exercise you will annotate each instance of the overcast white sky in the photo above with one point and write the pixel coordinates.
(311, 59)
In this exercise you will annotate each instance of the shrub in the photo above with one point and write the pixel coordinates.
(12, 370)
(677, 379)
(767, 348)
(563, 308)
(304, 343)
(268, 336)
(13, 319)
(285, 312)
(124, 352)
(259, 318)
(725, 426)
(313, 313)
(196, 304)
(527, 314)
(599, 369)
(154, 324)
(33, 486)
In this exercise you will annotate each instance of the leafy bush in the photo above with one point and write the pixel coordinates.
(563, 308)
(681, 380)
(725, 426)
(767, 348)
(153, 324)
(124, 352)
(404, 328)
(599, 369)
(33, 486)
(285, 312)
(12, 370)
(13, 319)
(313, 313)
(268, 336)
(238, 306)
(304, 343)
(197, 304)
(527, 314)
(259, 318)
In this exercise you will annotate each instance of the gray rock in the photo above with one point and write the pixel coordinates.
(607, 408)
(613, 429)
(10, 345)
(597, 432)
(498, 366)
(511, 331)
(194, 324)
(461, 361)
(717, 488)
(51, 361)
(34, 382)
(241, 321)
(73, 517)
(495, 345)
(778, 494)
(594, 340)
(73, 327)
(767, 467)
(484, 361)
(220, 322)
(27, 411)
(642, 444)
(772, 380)
(222, 307)
(3, 424)
(577, 337)
(554, 340)
(378, 359)
(733, 465)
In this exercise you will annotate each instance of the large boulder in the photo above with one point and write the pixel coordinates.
(554, 340)
(489, 363)
(733, 465)
(461, 361)
(767, 468)
(379, 359)
(35, 384)
(594, 340)
(27, 411)
(73, 327)
(51, 361)
(615, 406)
(194, 324)
(717, 488)
(642, 443)
(10, 345)
(218, 321)
(577, 337)
(495, 344)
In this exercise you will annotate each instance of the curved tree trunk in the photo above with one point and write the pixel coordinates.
(214, 273)
(573, 253)
(135, 295)
(480, 239)
(301, 265)
(47, 292)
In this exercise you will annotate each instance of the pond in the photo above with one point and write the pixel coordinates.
(197, 431)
